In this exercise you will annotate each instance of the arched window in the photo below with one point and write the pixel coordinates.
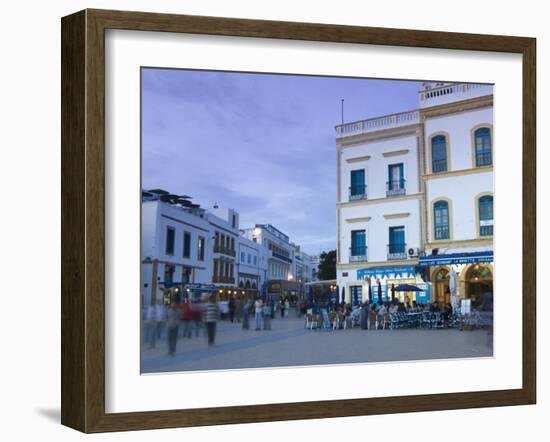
(485, 210)
(439, 154)
(441, 220)
(483, 148)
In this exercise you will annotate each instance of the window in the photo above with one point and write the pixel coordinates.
(233, 244)
(169, 270)
(483, 149)
(255, 260)
(249, 259)
(441, 220)
(358, 243)
(397, 240)
(356, 294)
(217, 240)
(357, 188)
(170, 238)
(200, 252)
(215, 267)
(485, 210)
(234, 221)
(186, 244)
(242, 256)
(396, 182)
(439, 154)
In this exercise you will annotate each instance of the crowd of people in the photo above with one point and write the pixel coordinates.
(191, 318)
(378, 315)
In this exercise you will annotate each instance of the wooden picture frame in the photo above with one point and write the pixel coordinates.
(83, 220)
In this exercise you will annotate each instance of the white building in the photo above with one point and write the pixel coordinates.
(304, 267)
(415, 198)
(280, 264)
(252, 259)
(224, 225)
(176, 245)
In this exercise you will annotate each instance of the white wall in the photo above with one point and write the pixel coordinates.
(376, 168)
(458, 126)
(462, 191)
(377, 228)
(36, 46)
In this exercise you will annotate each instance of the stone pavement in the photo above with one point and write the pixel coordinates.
(290, 344)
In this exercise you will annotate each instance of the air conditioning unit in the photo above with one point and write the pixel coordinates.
(413, 252)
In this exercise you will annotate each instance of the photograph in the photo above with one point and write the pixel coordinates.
(305, 220)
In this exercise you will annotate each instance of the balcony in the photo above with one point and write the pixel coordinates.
(358, 254)
(358, 192)
(395, 187)
(223, 279)
(448, 93)
(376, 124)
(224, 250)
(281, 257)
(439, 166)
(397, 251)
(484, 159)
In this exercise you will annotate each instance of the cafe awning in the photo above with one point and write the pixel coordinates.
(456, 258)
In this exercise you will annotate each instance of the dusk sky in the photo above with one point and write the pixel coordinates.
(259, 143)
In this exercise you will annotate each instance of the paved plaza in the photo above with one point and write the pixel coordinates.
(288, 343)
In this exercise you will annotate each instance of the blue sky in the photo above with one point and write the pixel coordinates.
(259, 143)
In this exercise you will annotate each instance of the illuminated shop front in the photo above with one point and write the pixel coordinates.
(378, 283)
(460, 276)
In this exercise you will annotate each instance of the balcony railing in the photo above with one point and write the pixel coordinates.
(281, 257)
(223, 279)
(395, 187)
(224, 250)
(439, 166)
(358, 192)
(484, 159)
(358, 254)
(378, 123)
(397, 251)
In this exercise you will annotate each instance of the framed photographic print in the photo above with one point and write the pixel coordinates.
(267, 221)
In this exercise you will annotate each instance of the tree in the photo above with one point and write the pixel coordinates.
(327, 265)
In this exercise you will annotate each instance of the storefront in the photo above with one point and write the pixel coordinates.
(460, 276)
(291, 290)
(382, 282)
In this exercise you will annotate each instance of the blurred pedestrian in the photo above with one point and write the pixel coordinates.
(231, 307)
(172, 325)
(282, 307)
(287, 307)
(258, 311)
(267, 312)
(196, 316)
(238, 309)
(246, 315)
(186, 318)
(211, 316)
(150, 325)
(160, 317)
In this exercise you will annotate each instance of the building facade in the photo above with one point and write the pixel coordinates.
(176, 247)
(415, 199)
(252, 266)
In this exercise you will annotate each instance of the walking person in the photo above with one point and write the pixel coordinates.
(282, 307)
(238, 310)
(150, 323)
(258, 311)
(211, 316)
(172, 326)
(267, 312)
(246, 315)
(232, 309)
(186, 319)
(365, 312)
(287, 307)
(196, 316)
(160, 318)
